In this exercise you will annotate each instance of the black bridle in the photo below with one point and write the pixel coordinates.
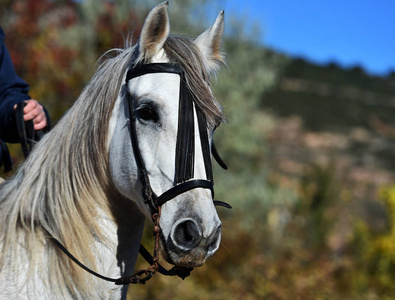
(184, 169)
(185, 148)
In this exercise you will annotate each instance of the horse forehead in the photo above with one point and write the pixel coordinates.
(166, 85)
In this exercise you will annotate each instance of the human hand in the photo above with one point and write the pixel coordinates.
(34, 111)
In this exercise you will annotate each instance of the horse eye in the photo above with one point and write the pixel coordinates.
(147, 114)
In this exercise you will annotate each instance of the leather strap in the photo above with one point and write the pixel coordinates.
(223, 204)
(182, 188)
(185, 146)
(24, 132)
(5, 157)
(72, 257)
(182, 182)
(140, 70)
(27, 136)
(217, 157)
(181, 272)
(146, 191)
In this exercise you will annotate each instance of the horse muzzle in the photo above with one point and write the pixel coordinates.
(189, 243)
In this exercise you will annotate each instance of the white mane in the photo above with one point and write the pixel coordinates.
(62, 184)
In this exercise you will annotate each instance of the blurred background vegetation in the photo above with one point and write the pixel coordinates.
(310, 151)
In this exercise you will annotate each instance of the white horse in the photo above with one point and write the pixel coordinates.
(82, 183)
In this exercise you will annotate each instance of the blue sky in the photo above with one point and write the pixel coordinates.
(349, 32)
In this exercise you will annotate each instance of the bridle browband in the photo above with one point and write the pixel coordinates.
(184, 169)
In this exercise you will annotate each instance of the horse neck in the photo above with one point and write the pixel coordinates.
(115, 257)
(130, 224)
(118, 222)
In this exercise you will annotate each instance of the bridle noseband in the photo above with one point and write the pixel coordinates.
(184, 169)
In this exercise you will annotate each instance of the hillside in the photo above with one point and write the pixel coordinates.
(332, 98)
(330, 113)
(334, 125)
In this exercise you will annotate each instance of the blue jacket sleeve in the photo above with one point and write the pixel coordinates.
(12, 90)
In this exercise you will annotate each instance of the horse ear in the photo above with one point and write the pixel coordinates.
(209, 42)
(155, 31)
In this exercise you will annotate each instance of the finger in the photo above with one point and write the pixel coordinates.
(40, 125)
(39, 118)
(40, 121)
(30, 105)
(33, 113)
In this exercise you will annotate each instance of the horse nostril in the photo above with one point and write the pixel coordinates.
(186, 235)
(215, 241)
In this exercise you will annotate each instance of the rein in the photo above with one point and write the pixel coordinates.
(142, 276)
(28, 137)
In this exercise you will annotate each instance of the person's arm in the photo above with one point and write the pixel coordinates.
(12, 91)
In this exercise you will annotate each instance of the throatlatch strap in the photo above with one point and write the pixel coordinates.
(217, 157)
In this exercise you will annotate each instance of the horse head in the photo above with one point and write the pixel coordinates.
(161, 132)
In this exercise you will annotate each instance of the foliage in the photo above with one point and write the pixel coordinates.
(45, 38)
(376, 264)
(55, 45)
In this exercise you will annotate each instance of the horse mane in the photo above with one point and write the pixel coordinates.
(198, 73)
(60, 187)
(63, 187)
